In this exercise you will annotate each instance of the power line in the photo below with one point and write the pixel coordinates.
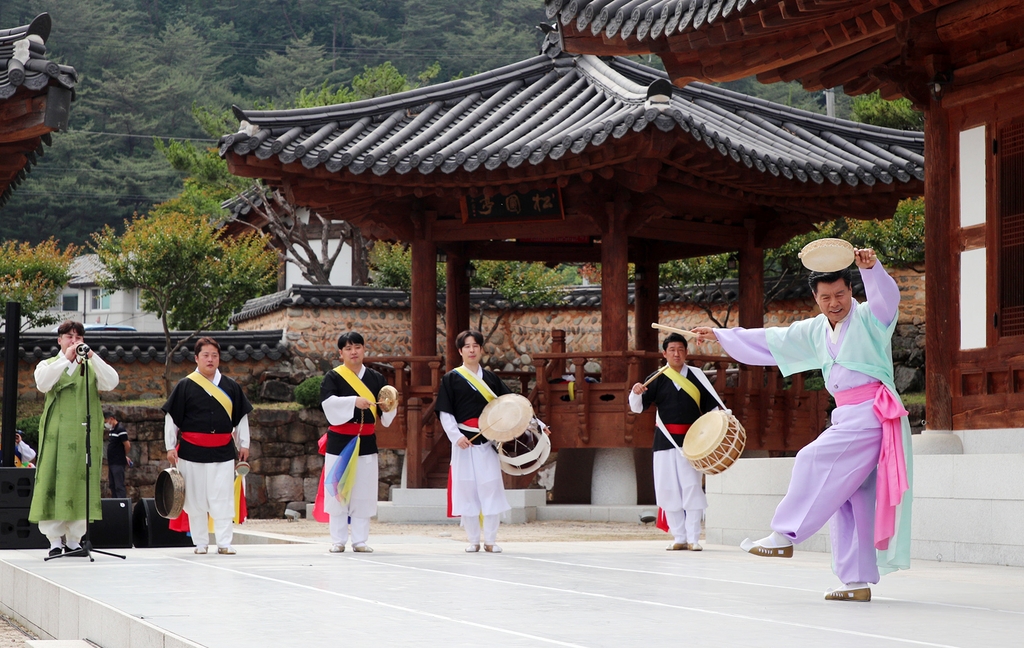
(177, 137)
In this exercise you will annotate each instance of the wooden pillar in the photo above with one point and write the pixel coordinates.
(614, 293)
(751, 260)
(424, 306)
(645, 310)
(456, 316)
(940, 270)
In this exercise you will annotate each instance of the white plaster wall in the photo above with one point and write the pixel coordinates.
(972, 176)
(973, 300)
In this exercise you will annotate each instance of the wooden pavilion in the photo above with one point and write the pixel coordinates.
(564, 158)
(35, 100)
(959, 61)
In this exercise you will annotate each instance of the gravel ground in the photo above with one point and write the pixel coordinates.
(11, 634)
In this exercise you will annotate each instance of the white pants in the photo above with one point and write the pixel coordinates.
(677, 486)
(209, 490)
(476, 482)
(361, 507)
(72, 530)
(471, 523)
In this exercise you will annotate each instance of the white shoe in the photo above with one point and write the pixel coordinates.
(227, 551)
(696, 547)
(775, 545)
(361, 549)
(492, 548)
(201, 550)
(338, 548)
(473, 548)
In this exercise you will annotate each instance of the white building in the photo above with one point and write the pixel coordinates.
(84, 300)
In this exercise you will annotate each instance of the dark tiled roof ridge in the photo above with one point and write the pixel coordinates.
(794, 287)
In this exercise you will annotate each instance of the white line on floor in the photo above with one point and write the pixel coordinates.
(392, 606)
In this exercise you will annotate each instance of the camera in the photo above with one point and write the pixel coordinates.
(82, 350)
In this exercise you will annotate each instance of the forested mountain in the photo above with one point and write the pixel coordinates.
(144, 64)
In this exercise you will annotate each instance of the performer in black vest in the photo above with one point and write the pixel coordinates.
(206, 407)
(475, 486)
(348, 394)
(682, 394)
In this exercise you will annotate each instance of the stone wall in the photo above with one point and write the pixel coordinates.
(282, 454)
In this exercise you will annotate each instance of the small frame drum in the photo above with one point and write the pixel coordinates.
(714, 442)
(526, 453)
(827, 255)
(170, 493)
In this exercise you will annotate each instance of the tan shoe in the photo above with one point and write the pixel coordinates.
(201, 550)
(696, 547)
(677, 546)
(226, 551)
(361, 549)
(338, 548)
(492, 548)
(859, 594)
(759, 549)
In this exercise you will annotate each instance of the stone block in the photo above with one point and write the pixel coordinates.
(995, 477)
(933, 475)
(310, 486)
(277, 449)
(277, 391)
(298, 468)
(271, 465)
(313, 417)
(300, 432)
(283, 488)
(272, 417)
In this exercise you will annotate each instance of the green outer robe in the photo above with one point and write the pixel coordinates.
(59, 492)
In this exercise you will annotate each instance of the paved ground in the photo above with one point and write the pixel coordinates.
(423, 590)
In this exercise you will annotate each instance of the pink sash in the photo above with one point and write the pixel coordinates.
(891, 481)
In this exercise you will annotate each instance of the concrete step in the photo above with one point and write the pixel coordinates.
(590, 513)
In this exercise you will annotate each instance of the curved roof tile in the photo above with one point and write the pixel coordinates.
(551, 105)
(24, 64)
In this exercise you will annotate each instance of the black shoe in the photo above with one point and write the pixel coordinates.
(77, 552)
(54, 552)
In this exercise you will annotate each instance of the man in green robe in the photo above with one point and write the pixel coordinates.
(58, 500)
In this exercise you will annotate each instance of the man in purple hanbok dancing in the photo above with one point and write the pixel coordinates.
(858, 473)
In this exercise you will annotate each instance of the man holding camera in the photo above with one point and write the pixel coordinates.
(58, 501)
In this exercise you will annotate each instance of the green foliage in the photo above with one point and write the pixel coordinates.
(29, 427)
(191, 276)
(519, 282)
(307, 393)
(391, 266)
(899, 241)
(872, 109)
(34, 276)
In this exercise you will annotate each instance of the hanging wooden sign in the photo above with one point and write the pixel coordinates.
(530, 206)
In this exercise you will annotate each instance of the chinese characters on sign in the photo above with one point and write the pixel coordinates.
(539, 205)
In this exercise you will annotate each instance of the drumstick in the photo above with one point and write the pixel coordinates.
(655, 375)
(690, 335)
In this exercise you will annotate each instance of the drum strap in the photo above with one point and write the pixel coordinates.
(664, 430)
(356, 384)
(684, 383)
(478, 384)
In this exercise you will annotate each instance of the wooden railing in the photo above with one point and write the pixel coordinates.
(779, 417)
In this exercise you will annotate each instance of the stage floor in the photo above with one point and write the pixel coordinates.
(424, 591)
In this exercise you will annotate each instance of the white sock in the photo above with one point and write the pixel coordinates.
(778, 540)
(852, 586)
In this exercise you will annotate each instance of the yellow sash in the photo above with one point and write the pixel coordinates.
(480, 385)
(684, 383)
(213, 390)
(353, 381)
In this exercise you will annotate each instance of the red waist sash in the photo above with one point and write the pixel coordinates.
(207, 440)
(676, 428)
(470, 425)
(354, 429)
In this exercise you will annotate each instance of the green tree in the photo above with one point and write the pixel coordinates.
(872, 109)
(188, 273)
(34, 275)
(280, 77)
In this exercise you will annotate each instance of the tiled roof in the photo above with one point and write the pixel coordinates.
(555, 105)
(647, 19)
(24, 66)
(117, 346)
(573, 297)
(85, 270)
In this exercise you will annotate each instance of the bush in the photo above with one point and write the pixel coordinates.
(29, 427)
(307, 393)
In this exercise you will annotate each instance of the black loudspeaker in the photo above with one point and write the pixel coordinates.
(16, 532)
(114, 531)
(16, 487)
(150, 529)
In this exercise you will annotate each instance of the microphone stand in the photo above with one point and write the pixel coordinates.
(86, 549)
